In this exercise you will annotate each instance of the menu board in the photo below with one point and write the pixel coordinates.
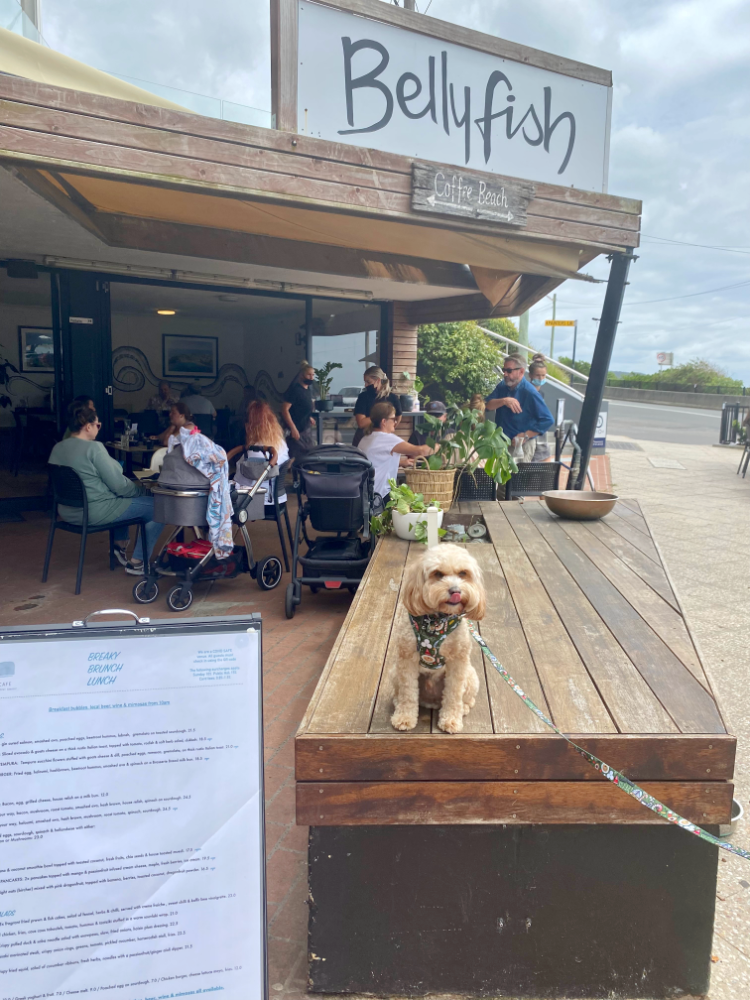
(131, 811)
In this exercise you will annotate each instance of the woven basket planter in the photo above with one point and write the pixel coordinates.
(433, 484)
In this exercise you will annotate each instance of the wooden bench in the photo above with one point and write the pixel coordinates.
(498, 859)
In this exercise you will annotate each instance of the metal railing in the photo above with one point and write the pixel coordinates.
(532, 350)
(732, 429)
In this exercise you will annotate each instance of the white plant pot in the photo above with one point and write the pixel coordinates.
(403, 522)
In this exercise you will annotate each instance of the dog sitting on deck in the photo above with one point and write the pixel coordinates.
(432, 666)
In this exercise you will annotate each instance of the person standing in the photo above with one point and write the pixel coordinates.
(377, 390)
(519, 408)
(538, 377)
(297, 409)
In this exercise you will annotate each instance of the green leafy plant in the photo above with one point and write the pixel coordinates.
(455, 360)
(465, 441)
(405, 501)
(324, 378)
(409, 383)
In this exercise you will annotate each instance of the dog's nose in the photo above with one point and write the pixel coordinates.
(454, 590)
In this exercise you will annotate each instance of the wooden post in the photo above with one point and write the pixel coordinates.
(284, 54)
(403, 345)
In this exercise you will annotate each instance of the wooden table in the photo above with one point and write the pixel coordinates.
(442, 842)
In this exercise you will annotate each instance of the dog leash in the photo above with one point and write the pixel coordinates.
(609, 772)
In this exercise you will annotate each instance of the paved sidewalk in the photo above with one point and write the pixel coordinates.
(700, 517)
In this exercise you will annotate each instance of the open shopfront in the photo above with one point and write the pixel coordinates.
(269, 245)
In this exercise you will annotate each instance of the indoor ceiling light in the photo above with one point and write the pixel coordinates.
(166, 312)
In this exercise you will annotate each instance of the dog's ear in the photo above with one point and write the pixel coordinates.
(480, 595)
(412, 590)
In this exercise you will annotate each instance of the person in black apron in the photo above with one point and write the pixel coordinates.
(296, 412)
(377, 390)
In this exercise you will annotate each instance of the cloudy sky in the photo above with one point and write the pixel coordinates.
(680, 136)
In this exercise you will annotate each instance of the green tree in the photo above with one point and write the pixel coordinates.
(455, 360)
(580, 366)
(697, 371)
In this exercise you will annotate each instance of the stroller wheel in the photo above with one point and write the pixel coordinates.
(179, 599)
(145, 591)
(290, 603)
(268, 573)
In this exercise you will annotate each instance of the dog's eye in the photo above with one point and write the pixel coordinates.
(438, 575)
(463, 574)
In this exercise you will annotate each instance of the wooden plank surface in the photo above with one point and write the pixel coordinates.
(573, 700)
(668, 624)
(529, 757)
(503, 632)
(637, 538)
(400, 803)
(689, 704)
(348, 694)
(633, 705)
(633, 517)
(653, 573)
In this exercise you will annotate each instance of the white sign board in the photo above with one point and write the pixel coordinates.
(131, 816)
(372, 84)
(600, 434)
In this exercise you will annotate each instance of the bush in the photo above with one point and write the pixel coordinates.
(580, 366)
(455, 360)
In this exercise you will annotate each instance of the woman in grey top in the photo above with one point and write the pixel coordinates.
(111, 497)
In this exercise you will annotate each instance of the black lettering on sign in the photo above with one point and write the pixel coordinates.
(471, 196)
(529, 127)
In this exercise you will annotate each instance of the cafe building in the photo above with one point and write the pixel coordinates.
(416, 172)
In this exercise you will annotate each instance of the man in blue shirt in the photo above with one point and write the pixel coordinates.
(520, 409)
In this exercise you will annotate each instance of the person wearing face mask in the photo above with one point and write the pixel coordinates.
(377, 390)
(519, 407)
(297, 409)
(538, 377)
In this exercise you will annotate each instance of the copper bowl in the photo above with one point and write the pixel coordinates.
(579, 505)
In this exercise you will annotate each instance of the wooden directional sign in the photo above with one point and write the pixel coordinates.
(445, 191)
(559, 322)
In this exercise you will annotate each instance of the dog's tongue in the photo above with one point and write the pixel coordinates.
(454, 599)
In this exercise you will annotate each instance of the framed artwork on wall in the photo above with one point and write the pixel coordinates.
(186, 357)
(36, 349)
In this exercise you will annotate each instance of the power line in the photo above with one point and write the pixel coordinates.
(705, 246)
(691, 295)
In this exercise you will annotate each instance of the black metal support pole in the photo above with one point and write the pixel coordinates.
(605, 341)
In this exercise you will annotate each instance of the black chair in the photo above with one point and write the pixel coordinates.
(148, 421)
(278, 485)
(533, 479)
(205, 423)
(68, 490)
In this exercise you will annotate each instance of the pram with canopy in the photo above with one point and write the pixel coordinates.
(334, 487)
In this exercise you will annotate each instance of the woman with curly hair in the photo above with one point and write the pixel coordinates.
(262, 430)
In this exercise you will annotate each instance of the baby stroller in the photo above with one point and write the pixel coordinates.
(181, 499)
(334, 486)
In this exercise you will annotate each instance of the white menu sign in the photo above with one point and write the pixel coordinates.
(372, 84)
(131, 847)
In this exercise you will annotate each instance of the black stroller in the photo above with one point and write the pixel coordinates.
(334, 486)
(181, 499)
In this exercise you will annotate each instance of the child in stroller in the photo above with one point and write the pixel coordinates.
(334, 486)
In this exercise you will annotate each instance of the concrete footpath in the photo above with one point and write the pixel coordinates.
(699, 514)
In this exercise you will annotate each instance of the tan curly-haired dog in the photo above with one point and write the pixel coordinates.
(444, 583)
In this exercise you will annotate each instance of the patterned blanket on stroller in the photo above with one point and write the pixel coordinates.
(211, 459)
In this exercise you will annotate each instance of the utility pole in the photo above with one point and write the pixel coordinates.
(523, 330)
(552, 328)
(575, 338)
(410, 5)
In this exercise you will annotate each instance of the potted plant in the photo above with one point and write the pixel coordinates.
(324, 379)
(462, 444)
(405, 513)
(409, 389)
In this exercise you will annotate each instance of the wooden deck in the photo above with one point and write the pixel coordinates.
(584, 617)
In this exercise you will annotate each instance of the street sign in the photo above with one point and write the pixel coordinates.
(560, 322)
(665, 358)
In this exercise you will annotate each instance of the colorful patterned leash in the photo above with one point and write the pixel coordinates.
(616, 777)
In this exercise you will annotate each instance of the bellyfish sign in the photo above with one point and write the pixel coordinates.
(380, 85)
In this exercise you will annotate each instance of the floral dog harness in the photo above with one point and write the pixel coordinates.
(431, 632)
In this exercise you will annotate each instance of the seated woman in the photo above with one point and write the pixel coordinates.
(384, 448)
(262, 429)
(111, 497)
(180, 415)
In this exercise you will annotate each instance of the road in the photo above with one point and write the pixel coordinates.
(676, 424)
